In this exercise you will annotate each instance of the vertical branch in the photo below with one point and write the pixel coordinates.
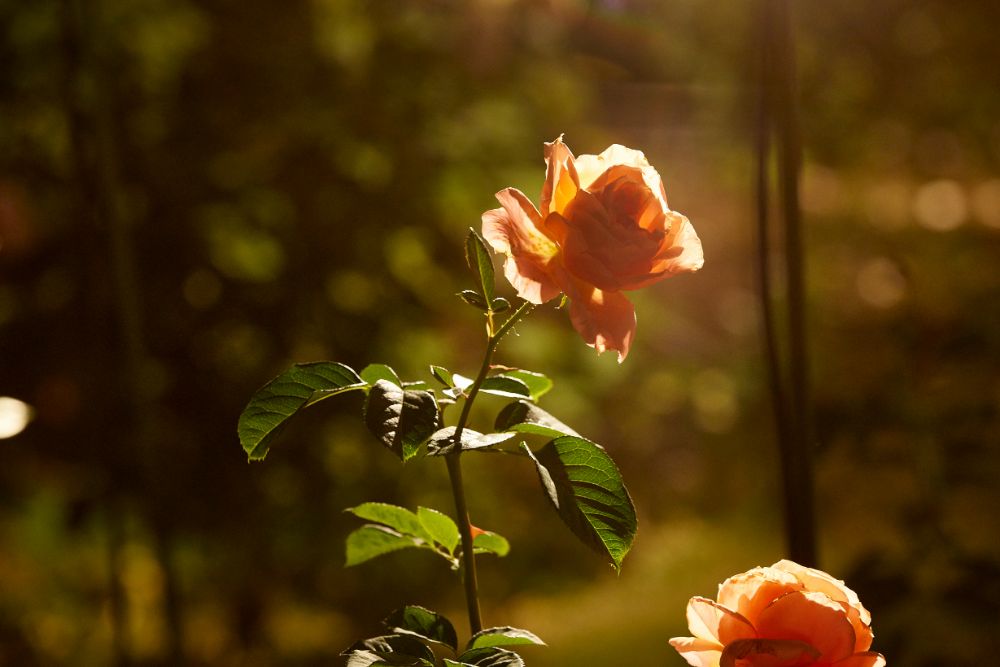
(455, 465)
(777, 113)
(98, 170)
(470, 578)
(87, 193)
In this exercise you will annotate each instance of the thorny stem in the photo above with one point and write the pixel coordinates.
(453, 460)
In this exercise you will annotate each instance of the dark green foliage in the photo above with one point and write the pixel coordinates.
(480, 262)
(392, 650)
(402, 419)
(281, 398)
(502, 636)
(443, 441)
(523, 417)
(584, 485)
(423, 623)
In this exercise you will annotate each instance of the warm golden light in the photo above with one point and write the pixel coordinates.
(14, 416)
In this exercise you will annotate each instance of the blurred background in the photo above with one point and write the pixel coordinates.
(195, 194)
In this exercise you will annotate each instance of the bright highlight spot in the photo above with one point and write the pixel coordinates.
(941, 205)
(14, 416)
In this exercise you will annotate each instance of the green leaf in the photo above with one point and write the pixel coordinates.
(397, 518)
(537, 384)
(523, 417)
(369, 659)
(502, 385)
(370, 541)
(417, 385)
(585, 487)
(473, 298)
(440, 527)
(372, 373)
(442, 375)
(452, 663)
(500, 305)
(491, 657)
(363, 659)
(391, 650)
(423, 623)
(503, 636)
(491, 543)
(461, 382)
(402, 419)
(480, 260)
(443, 440)
(281, 398)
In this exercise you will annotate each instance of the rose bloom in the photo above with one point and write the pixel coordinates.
(604, 228)
(785, 615)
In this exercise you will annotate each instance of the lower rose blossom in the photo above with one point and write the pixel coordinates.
(785, 615)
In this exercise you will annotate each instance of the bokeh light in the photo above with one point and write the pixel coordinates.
(15, 415)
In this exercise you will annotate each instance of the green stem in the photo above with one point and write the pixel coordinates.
(465, 530)
(455, 467)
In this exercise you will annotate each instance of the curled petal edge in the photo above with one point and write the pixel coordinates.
(697, 652)
(515, 230)
(604, 319)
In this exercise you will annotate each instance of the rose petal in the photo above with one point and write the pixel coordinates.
(817, 580)
(769, 653)
(605, 252)
(811, 617)
(561, 180)
(697, 652)
(711, 621)
(683, 237)
(515, 230)
(750, 592)
(866, 659)
(591, 167)
(605, 320)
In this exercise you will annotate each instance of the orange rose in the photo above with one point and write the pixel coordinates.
(785, 615)
(604, 227)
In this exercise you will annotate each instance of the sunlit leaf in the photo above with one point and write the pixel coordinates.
(488, 542)
(423, 623)
(284, 396)
(537, 384)
(480, 261)
(524, 417)
(363, 659)
(443, 440)
(440, 527)
(503, 385)
(416, 385)
(500, 305)
(442, 375)
(586, 489)
(503, 636)
(473, 298)
(397, 518)
(402, 419)
(461, 381)
(370, 541)
(372, 373)
(395, 650)
(491, 657)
